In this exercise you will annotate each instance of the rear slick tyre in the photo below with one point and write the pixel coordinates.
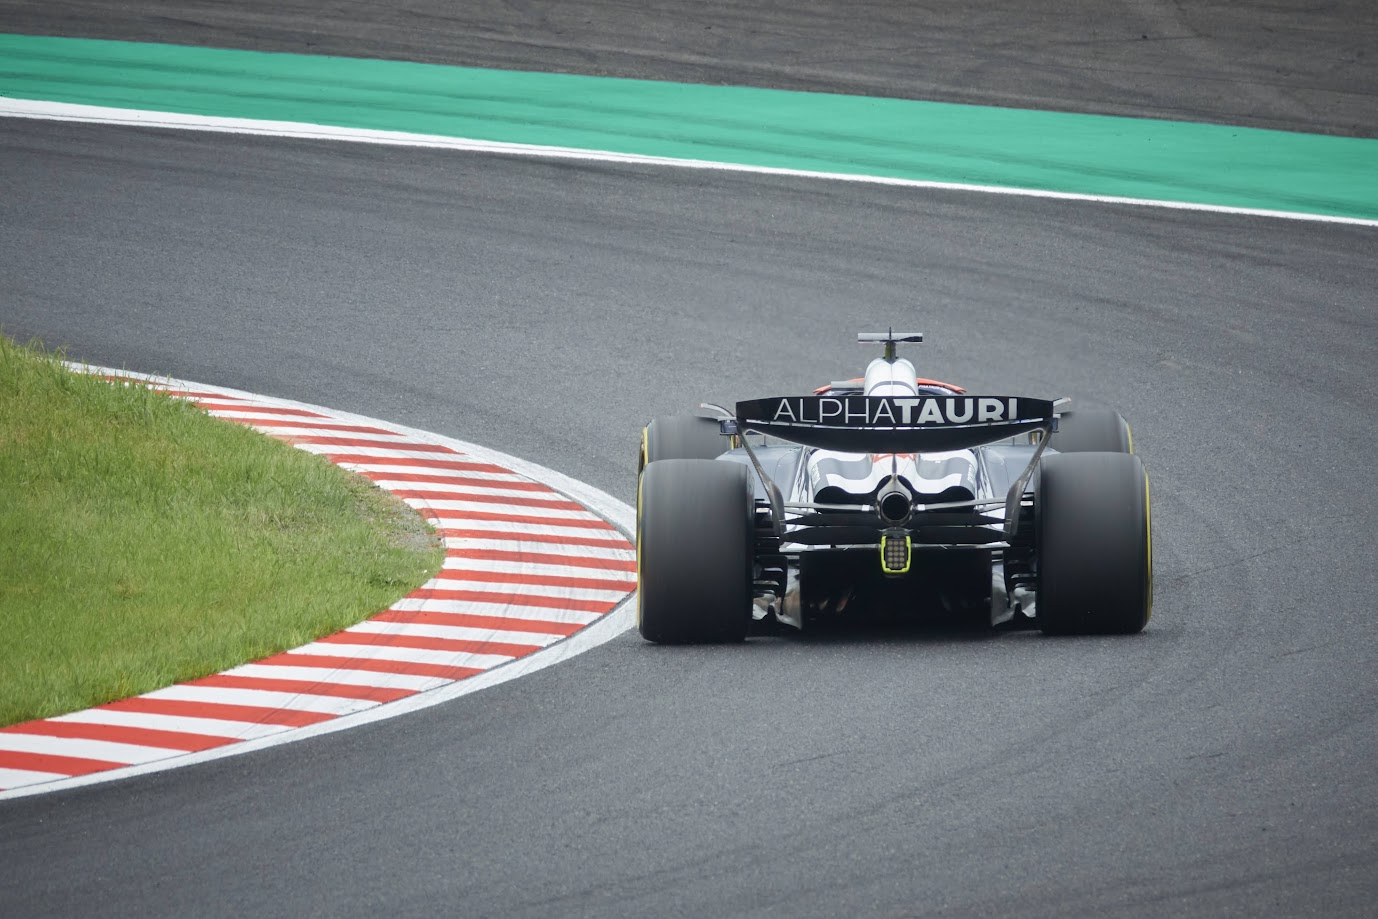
(694, 540)
(1094, 545)
(681, 437)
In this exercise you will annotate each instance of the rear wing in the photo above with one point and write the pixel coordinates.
(893, 424)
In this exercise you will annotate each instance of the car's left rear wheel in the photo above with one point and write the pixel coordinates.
(694, 540)
(681, 437)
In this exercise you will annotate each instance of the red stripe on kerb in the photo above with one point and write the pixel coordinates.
(261, 409)
(458, 480)
(411, 446)
(547, 558)
(560, 504)
(473, 621)
(370, 664)
(193, 394)
(142, 737)
(456, 465)
(252, 714)
(304, 687)
(535, 580)
(426, 643)
(533, 521)
(560, 539)
(208, 396)
(502, 599)
(48, 762)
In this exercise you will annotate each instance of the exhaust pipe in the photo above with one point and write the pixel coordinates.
(894, 502)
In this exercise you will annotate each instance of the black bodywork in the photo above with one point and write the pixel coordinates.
(819, 545)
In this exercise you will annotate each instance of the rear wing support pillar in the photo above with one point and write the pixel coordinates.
(1015, 496)
(777, 500)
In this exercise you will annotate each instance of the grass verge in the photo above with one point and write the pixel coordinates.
(143, 543)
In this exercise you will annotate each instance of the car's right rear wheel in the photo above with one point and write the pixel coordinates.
(1094, 544)
(1092, 431)
(694, 540)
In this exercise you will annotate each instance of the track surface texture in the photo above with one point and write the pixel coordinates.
(1221, 763)
(1289, 64)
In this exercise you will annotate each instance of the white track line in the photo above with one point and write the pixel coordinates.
(95, 114)
(563, 588)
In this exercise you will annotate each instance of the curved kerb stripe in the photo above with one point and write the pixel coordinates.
(538, 567)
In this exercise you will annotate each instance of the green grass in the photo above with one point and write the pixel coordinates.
(143, 542)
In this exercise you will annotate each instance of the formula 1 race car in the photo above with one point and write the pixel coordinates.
(895, 494)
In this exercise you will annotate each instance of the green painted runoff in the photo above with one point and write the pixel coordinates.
(927, 141)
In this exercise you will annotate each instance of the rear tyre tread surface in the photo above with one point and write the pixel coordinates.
(682, 437)
(1092, 431)
(694, 540)
(1093, 544)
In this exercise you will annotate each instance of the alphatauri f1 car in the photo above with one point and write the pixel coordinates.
(896, 494)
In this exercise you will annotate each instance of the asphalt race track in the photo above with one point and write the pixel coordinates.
(1221, 763)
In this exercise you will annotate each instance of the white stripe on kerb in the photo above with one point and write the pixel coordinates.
(487, 487)
(454, 632)
(533, 590)
(18, 778)
(252, 416)
(398, 451)
(452, 513)
(338, 676)
(405, 655)
(95, 114)
(261, 698)
(550, 613)
(288, 433)
(459, 563)
(106, 750)
(385, 467)
(456, 546)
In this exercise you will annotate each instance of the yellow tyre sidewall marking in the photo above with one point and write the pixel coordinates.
(1148, 528)
(1148, 539)
(639, 593)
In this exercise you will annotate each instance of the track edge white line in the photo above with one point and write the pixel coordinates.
(11, 107)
